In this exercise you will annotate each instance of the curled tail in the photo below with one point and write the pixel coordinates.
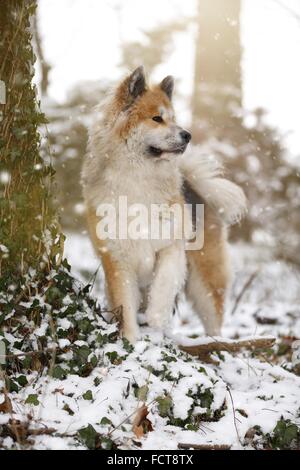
(204, 175)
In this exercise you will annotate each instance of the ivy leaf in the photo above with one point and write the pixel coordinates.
(141, 392)
(88, 395)
(89, 437)
(284, 434)
(164, 405)
(22, 380)
(59, 373)
(32, 400)
(68, 410)
(105, 421)
(206, 398)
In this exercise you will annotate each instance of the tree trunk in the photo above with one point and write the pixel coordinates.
(217, 82)
(44, 66)
(26, 217)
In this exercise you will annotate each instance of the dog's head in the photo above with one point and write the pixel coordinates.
(144, 117)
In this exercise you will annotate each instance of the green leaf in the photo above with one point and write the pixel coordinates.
(106, 443)
(68, 410)
(97, 381)
(22, 380)
(89, 437)
(32, 400)
(94, 361)
(113, 357)
(88, 395)
(164, 405)
(141, 392)
(105, 421)
(284, 434)
(11, 385)
(53, 294)
(82, 354)
(127, 345)
(206, 398)
(169, 359)
(59, 373)
(85, 326)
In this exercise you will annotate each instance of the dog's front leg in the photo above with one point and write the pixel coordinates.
(123, 291)
(169, 278)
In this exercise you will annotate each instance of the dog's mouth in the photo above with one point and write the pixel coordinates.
(158, 152)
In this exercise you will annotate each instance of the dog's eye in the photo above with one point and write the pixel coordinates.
(158, 119)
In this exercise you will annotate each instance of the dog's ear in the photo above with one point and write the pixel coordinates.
(130, 89)
(167, 85)
(137, 83)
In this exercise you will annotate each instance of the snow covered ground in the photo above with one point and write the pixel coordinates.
(270, 306)
(155, 397)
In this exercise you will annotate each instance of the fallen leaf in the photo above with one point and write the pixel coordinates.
(141, 424)
(61, 391)
(6, 406)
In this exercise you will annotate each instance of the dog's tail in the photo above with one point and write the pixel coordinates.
(204, 176)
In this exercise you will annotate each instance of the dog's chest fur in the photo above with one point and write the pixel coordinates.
(142, 181)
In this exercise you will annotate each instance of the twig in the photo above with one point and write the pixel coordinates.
(204, 446)
(234, 415)
(93, 278)
(128, 417)
(41, 432)
(28, 354)
(243, 291)
(10, 409)
(289, 10)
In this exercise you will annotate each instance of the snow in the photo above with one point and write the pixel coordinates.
(261, 391)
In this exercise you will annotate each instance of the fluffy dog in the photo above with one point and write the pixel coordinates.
(136, 150)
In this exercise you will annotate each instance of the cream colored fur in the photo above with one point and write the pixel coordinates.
(115, 167)
(204, 174)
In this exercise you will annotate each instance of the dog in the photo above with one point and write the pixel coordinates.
(136, 149)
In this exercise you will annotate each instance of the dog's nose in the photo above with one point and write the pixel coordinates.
(186, 136)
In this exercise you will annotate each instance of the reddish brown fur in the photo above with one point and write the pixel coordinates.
(211, 262)
(147, 106)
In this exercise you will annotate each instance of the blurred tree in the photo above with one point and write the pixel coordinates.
(217, 77)
(68, 122)
(252, 150)
(156, 46)
(68, 136)
(27, 227)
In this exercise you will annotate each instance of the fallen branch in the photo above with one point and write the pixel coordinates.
(204, 446)
(29, 354)
(20, 431)
(41, 432)
(205, 349)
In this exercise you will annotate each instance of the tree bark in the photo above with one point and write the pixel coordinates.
(26, 216)
(45, 67)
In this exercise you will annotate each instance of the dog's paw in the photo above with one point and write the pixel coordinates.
(132, 334)
(156, 320)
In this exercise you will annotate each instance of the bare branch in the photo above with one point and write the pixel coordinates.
(289, 10)
(244, 290)
(234, 415)
(203, 446)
